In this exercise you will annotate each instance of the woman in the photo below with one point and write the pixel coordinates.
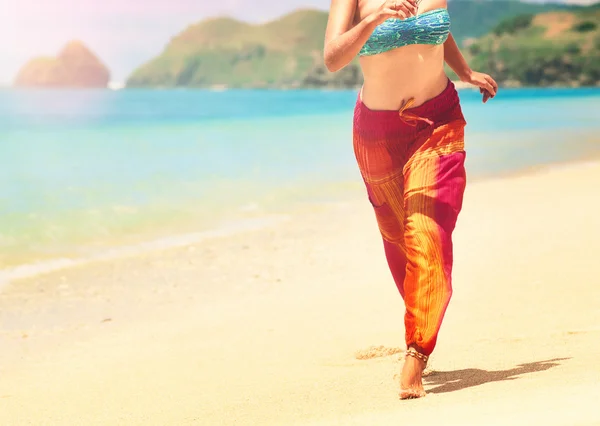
(409, 145)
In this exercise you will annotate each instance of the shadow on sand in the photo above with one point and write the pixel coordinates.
(450, 381)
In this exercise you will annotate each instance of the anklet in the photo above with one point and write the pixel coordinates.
(412, 352)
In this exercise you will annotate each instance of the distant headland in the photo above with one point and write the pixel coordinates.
(75, 66)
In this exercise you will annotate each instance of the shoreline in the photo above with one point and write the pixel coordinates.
(266, 220)
(223, 88)
(231, 330)
(48, 266)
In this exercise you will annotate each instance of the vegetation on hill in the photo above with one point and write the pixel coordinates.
(556, 48)
(229, 52)
(475, 18)
(288, 52)
(75, 66)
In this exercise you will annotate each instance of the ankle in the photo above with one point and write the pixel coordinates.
(412, 351)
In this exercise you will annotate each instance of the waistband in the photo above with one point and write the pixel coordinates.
(438, 109)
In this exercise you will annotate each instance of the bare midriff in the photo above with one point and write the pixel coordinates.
(413, 71)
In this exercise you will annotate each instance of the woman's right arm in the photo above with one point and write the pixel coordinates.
(343, 41)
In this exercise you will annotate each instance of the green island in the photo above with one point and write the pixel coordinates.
(518, 43)
(549, 49)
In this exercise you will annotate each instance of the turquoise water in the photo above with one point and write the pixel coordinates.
(86, 170)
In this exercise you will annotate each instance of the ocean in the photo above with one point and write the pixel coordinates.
(94, 173)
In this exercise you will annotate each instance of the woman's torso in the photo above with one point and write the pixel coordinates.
(410, 71)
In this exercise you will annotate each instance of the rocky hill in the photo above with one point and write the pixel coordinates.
(75, 66)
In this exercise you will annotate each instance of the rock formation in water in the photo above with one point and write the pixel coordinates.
(75, 66)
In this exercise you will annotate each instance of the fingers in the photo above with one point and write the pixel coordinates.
(486, 95)
(492, 82)
(488, 88)
(407, 7)
(391, 13)
(413, 5)
(410, 6)
(493, 86)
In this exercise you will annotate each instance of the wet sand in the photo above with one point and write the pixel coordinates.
(301, 324)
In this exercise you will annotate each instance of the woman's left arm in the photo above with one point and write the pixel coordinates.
(455, 60)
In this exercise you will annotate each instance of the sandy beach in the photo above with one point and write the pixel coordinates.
(301, 324)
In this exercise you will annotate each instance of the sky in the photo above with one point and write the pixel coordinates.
(123, 33)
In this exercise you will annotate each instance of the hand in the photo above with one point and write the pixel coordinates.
(400, 9)
(487, 85)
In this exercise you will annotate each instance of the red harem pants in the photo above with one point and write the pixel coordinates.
(412, 162)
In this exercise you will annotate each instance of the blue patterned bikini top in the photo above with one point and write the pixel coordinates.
(430, 27)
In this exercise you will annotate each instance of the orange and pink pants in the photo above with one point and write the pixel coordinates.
(413, 164)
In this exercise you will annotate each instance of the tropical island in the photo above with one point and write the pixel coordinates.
(556, 48)
(519, 43)
(76, 66)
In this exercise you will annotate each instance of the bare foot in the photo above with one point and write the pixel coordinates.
(411, 383)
